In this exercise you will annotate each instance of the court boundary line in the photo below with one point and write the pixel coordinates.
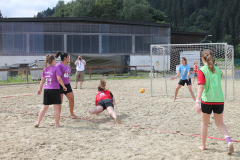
(133, 126)
(25, 95)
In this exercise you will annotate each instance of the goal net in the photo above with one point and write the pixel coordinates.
(165, 59)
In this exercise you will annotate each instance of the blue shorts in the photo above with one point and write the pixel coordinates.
(194, 74)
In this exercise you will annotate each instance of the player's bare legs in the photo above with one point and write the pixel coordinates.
(176, 92)
(113, 114)
(223, 129)
(57, 114)
(70, 97)
(95, 110)
(41, 114)
(204, 127)
(191, 91)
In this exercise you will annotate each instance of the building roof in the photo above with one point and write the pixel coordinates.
(84, 19)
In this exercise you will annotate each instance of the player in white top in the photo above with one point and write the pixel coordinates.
(80, 67)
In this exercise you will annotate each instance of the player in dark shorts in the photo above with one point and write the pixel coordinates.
(51, 75)
(66, 70)
(184, 71)
(104, 100)
(210, 99)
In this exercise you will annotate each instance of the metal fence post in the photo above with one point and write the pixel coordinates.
(26, 75)
(151, 68)
(225, 72)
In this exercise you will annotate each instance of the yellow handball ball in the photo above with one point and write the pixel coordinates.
(142, 90)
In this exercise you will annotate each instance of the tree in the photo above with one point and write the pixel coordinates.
(46, 13)
(237, 51)
(136, 10)
(158, 16)
(104, 9)
(228, 39)
(1, 14)
(59, 9)
(82, 8)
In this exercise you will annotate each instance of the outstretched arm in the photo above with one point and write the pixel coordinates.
(178, 73)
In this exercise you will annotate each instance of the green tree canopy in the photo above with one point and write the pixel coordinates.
(1, 15)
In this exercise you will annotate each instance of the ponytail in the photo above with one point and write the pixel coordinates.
(62, 55)
(49, 59)
(46, 60)
(208, 57)
(102, 85)
(58, 54)
(210, 63)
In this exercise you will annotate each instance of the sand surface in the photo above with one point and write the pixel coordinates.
(140, 137)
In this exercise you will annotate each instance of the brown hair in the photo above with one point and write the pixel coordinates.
(208, 57)
(102, 85)
(185, 59)
(49, 59)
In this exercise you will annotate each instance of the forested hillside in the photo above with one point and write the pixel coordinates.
(219, 18)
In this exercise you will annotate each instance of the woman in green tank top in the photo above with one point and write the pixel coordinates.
(210, 98)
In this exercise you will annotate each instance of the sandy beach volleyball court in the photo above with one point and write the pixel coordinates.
(143, 134)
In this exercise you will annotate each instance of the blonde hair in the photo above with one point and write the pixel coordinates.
(208, 57)
(49, 59)
(195, 62)
(102, 85)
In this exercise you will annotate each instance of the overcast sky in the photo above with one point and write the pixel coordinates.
(25, 8)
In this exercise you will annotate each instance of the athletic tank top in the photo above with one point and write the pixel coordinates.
(212, 88)
(195, 70)
(101, 95)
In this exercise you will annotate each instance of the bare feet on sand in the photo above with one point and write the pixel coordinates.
(88, 114)
(73, 116)
(202, 147)
(117, 121)
(59, 125)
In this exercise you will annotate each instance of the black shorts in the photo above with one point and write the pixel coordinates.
(209, 108)
(69, 89)
(105, 103)
(182, 82)
(51, 96)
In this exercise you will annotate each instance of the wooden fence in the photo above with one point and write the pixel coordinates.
(87, 67)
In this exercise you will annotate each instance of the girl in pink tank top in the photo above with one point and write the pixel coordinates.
(195, 69)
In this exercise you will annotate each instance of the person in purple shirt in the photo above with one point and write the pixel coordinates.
(66, 70)
(51, 75)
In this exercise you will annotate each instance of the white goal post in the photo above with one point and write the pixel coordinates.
(165, 59)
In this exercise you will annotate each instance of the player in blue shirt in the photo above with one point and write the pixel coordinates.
(184, 71)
